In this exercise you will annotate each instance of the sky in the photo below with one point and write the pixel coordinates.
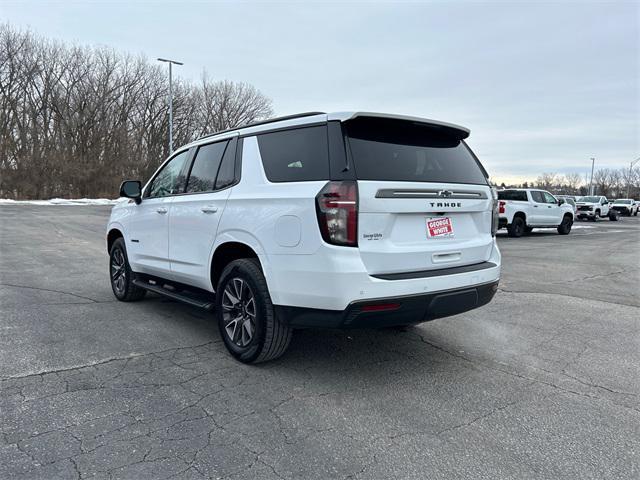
(543, 86)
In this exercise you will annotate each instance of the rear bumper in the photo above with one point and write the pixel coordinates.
(335, 277)
(405, 310)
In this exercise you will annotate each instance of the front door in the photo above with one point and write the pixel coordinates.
(553, 214)
(538, 208)
(148, 248)
(195, 215)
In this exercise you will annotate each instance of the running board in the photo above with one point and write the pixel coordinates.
(207, 304)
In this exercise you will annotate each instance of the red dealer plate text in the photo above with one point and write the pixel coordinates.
(439, 227)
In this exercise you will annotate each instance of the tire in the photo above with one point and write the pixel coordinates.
(121, 276)
(516, 228)
(596, 216)
(613, 216)
(636, 213)
(262, 336)
(565, 227)
(528, 230)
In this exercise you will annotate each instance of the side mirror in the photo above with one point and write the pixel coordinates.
(560, 201)
(131, 189)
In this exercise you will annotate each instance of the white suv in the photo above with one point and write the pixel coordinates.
(315, 220)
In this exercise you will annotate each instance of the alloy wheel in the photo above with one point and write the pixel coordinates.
(118, 271)
(239, 312)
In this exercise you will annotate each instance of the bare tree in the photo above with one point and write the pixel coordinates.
(602, 181)
(546, 181)
(572, 181)
(74, 121)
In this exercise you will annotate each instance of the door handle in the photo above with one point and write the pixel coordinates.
(209, 209)
(535, 206)
(161, 210)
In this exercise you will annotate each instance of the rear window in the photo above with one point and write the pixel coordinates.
(518, 195)
(397, 150)
(295, 155)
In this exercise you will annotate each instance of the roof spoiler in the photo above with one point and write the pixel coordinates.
(451, 128)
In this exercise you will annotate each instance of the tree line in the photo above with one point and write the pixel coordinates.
(76, 120)
(612, 183)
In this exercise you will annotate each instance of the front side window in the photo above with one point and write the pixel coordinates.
(202, 177)
(537, 196)
(296, 155)
(170, 180)
(548, 198)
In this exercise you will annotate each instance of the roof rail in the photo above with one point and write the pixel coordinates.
(263, 122)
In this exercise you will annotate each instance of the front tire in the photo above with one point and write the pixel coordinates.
(565, 227)
(516, 228)
(121, 275)
(613, 216)
(248, 324)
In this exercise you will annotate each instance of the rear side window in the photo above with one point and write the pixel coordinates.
(518, 195)
(400, 150)
(295, 155)
(226, 173)
(205, 167)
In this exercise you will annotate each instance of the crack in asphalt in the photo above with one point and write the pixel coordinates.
(102, 362)
(504, 290)
(52, 291)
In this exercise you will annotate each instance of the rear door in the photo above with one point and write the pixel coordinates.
(424, 200)
(195, 215)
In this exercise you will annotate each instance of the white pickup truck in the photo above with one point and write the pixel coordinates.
(521, 210)
(593, 207)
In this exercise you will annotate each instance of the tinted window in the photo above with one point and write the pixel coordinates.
(226, 173)
(548, 198)
(387, 149)
(205, 167)
(295, 155)
(519, 195)
(537, 196)
(170, 180)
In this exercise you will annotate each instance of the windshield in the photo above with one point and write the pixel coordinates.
(625, 201)
(589, 199)
(394, 150)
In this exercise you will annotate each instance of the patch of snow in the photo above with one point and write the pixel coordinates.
(63, 201)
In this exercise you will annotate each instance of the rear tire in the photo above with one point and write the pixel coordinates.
(248, 324)
(516, 228)
(121, 275)
(565, 227)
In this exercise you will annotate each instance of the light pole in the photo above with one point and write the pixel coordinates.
(593, 161)
(630, 171)
(170, 62)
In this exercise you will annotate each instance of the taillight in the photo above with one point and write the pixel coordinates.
(337, 209)
(496, 207)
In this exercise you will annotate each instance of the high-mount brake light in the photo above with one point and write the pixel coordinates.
(337, 210)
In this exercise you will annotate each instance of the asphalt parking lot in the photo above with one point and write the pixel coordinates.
(541, 383)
